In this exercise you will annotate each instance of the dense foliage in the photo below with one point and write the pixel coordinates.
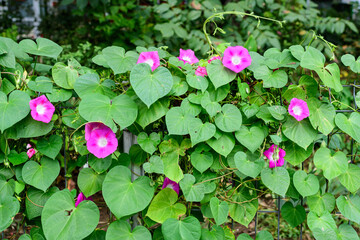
(214, 136)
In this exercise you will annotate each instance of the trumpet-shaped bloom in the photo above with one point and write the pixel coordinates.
(30, 152)
(214, 58)
(102, 142)
(275, 155)
(188, 56)
(41, 109)
(89, 127)
(298, 109)
(151, 58)
(81, 197)
(201, 71)
(171, 184)
(236, 58)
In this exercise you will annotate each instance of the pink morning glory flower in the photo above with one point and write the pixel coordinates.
(151, 58)
(214, 58)
(188, 56)
(30, 152)
(298, 109)
(201, 71)
(81, 197)
(102, 142)
(28, 146)
(41, 109)
(91, 126)
(275, 155)
(171, 184)
(236, 58)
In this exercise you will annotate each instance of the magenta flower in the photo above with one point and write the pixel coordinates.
(188, 56)
(81, 197)
(214, 58)
(41, 109)
(30, 152)
(91, 126)
(275, 155)
(28, 146)
(236, 58)
(298, 109)
(171, 184)
(201, 71)
(102, 142)
(151, 58)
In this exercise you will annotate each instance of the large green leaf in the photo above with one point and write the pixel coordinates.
(150, 86)
(156, 111)
(330, 75)
(296, 154)
(123, 196)
(293, 215)
(251, 138)
(201, 161)
(50, 147)
(17, 158)
(60, 218)
(248, 167)
(59, 95)
(323, 221)
(64, 76)
(89, 181)
(349, 125)
(305, 184)
(29, 128)
(216, 233)
(272, 79)
(223, 145)
(200, 132)
(36, 200)
(164, 206)
(122, 230)
(322, 115)
(321, 203)
(177, 121)
(219, 210)
(277, 179)
(42, 47)
(312, 59)
(72, 118)
(229, 119)
(188, 228)
(192, 192)
(349, 207)
(332, 164)
(41, 84)
(351, 178)
(41, 176)
(9, 206)
(346, 232)
(7, 188)
(90, 83)
(149, 143)
(219, 75)
(300, 132)
(100, 165)
(14, 109)
(99, 108)
(197, 82)
(117, 60)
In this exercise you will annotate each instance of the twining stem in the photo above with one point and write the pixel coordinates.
(221, 16)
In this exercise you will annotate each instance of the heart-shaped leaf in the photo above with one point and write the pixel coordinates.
(200, 132)
(148, 143)
(349, 125)
(305, 184)
(330, 75)
(29, 128)
(322, 115)
(278, 112)
(117, 60)
(351, 178)
(7, 188)
(14, 109)
(17, 158)
(59, 95)
(216, 233)
(41, 84)
(60, 215)
(222, 145)
(89, 181)
(293, 215)
(72, 118)
(346, 232)
(150, 86)
(36, 199)
(164, 206)
(275, 79)
(188, 228)
(177, 121)
(156, 111)
(349, 206)
(90, 83)
(211, 106)
(321, 203)
(300, 132)
(50, 147)
(229, 119)
(201, 160)
(296, 154)
(42, 47)
(248, 167)
(123, 196)
(192, 192)
(219, 210)
(349, 61)
(332, 165)
(251, 138)
(197, 82)
(41, 176)
(277, 179)
(219, 75)
(122, 230)
(9, 206)
(100, 165)
(99, 108)
(64, 76)
(323, 221)
(155, 165)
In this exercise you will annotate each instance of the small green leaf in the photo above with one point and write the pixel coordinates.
(90, 83)
(296, 154)
(42, 47)
(251, 138)
(248, 167)
(177, 121)
(351, 178)
(197, 82)
(36, 200)
(277, 179)
(192, 192)
(219, 75)
(320, 203)
(64, 76)
(155, 165)
(148, 143)
(117, 60)
(50, 147)
(41, 84)
(349, 125)
(219, 210)
(9, 207)
(17, 158)
(332, 164)
(89, 181)
(293, 215)
(349, 206)
(188, 228)
(200, 132)
(222, 145)
(349, 61)
(122, 230)
(305, 184)
(229, 119)
(300, 132)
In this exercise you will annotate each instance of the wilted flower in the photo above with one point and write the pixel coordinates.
(102, 142)
(151, 58)
(171, 184)
(188, 56)
(236, 58)
(201, 71)
(30, 152)
(41, 109)
(28, 146)
(298, 109)
(214, 58)
(275, 155)
(81, 197)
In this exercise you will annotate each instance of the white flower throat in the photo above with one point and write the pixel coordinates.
(40, 109)
(297, 110)
(236, 60)
(102, 142)
(186, 58)
(150, 62)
